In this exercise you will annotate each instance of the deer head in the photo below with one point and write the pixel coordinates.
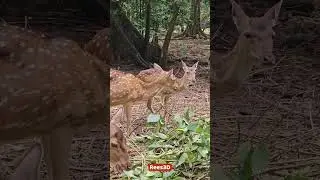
(257, 30)
(189, 73)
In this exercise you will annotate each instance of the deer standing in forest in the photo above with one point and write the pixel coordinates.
(128, 89)
(188, 79)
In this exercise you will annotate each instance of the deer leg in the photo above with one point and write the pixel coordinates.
(149, 105)
(29, 167)
(57, 146)
(165, 105)
(128, 112)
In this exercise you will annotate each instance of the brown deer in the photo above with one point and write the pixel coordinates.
(188, 78)
(119, 157)
(100, 46)
(28, 167)
(128, 89)
(115, 73)
(254, 44)
(49, 88)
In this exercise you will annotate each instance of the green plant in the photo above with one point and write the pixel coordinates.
(185, 145)
(252, 161)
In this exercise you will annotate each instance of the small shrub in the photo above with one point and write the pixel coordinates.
(252, 161)
(185, 145)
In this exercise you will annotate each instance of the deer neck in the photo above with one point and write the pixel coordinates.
(238, 62)
(151, 89)
(181, 83)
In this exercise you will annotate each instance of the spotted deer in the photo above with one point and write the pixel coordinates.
(119, 157)
(115, 73)
(128, 89)
(254, 44)
(28, 167)
(100, 46)
(49, 88)
(188, 79)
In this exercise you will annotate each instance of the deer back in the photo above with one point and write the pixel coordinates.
(100, 47)
(115, 73)
(49, 83)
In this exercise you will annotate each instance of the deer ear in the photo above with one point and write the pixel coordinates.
(183, 64)
(171, 75)
(273, 13)
(156, 66)
(239, 17)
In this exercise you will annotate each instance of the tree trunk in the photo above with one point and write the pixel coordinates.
(165, 47)
(147, 29)
(127, 41)
(194, 29)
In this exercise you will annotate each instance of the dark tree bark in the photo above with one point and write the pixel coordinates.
(165, 47)
(194, 29)
(147, 29)
(127, 41)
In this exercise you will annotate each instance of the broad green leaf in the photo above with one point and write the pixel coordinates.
(182, 159)
(244, 150)
(129, 173)
(203, 151)
(153, 118)
(259, 159)
(168, 174)
(162, 136)
(192, 126)
(150, 174)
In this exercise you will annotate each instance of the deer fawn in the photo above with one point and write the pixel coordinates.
(29, 166)
(188, 78)
(119, 157)
(128, 89)
(100, 46)
(49, 88)
(254, 44)
(115, 73)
